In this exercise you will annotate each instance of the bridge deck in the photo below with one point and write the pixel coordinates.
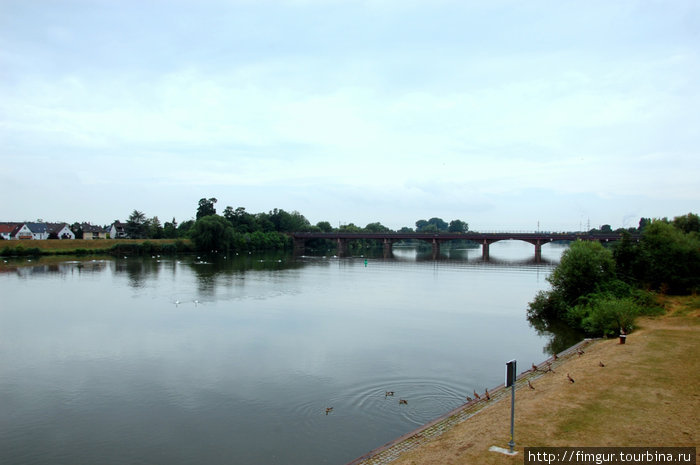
(468, 236)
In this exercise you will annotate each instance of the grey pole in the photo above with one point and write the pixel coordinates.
(511, 444)
(511, 376)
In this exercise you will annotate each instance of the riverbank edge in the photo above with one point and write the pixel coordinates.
(93, 247)
(390, 451)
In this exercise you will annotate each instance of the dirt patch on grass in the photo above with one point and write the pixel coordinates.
(646, 394)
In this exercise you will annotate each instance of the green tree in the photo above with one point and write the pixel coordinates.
(583, 269)
(264, 223)
(376, 227)
(586, 267)
(155, 229)
(626, 253)
(170, 229)
(184, 228)
(458, 226)
(241, 220)
(324, 226)
(431, 225)
(137, 225)
(349, 228)
(687, 223)
(212, 233)
(206, 207)
(288, 222)
(669, 259)
(608, 316)
(77, 229)
(643, 222)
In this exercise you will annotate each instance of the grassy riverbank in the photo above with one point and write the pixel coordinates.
(647, 394)
(101, 246)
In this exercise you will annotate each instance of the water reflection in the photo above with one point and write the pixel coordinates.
(212, 360)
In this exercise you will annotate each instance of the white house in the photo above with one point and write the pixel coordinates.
(40, 231)
(118, 231)
(23, 232)
(7, 229)
(61, 231)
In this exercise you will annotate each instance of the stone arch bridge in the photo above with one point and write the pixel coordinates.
(538, 239)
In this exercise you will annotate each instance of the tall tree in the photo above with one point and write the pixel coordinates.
(687, 223)
(670, 258)
(583, 269)
(137, 225)
(376, 227)
(324, 226)
(77, 229)
(433, 224)
(241, 220)
(170, 229)
(206, 207)
(155, 229)
(458, 226)
(212, 233)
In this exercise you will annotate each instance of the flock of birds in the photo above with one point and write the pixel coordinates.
(386, 394)
(487, 396)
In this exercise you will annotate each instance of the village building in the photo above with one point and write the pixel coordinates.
(59, 231)
(118, 231)
(7, 230)
(92, 232)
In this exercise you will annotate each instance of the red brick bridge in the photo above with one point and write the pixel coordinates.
(485, 239)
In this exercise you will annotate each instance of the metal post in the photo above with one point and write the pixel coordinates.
(511, 375)
(511, 444)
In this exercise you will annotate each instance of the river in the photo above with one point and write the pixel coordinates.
(235, 361)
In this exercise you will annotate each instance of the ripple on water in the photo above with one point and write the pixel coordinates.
(426, 399)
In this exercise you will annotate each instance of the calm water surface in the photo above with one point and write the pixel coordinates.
(153, 361)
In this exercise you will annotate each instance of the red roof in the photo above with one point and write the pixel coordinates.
(7, 228)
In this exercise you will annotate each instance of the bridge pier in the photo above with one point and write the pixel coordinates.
(436, 249)
(342, 247)
(299, 246)
(485, 250)
(538, 251)
(388, 244)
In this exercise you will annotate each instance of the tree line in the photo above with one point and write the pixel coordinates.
(601, 290)
(237, 229)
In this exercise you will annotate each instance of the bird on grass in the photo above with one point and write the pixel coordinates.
(549, 368)
(469, 399)
(329, 410)
(555, 356)
(580, 352)
(403, 401)
(534, 367)
(529, 384)
(571, 380)
(486, 395)
(601, 364)
(477, 396)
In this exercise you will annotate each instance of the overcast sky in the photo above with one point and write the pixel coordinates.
(504, 114)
